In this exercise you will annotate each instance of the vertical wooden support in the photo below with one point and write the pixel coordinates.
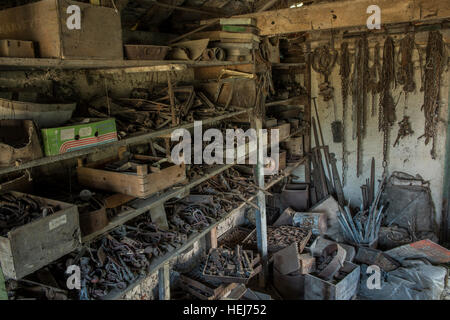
(307, 114)
(261, 223)
(3, 293)
(445, 217)
(164, 282)
(211, 239)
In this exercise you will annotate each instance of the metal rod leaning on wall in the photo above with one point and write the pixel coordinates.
(325, 148)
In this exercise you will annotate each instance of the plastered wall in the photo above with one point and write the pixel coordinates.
(410, 155)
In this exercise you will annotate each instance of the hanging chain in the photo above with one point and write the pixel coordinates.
(387, 105)
(344, 72)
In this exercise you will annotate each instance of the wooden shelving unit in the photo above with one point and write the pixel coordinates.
(141, 206)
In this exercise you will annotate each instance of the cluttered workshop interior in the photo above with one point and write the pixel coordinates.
(348, 194)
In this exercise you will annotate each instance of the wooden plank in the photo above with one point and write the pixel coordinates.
(211, 239)
(3, 293)
(32, 63)
(221, 35)
(213, 72)
(117, 200)
(164, 282)
(336, 14)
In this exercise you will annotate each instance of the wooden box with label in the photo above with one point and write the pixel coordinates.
(65, 29)
(28, 248)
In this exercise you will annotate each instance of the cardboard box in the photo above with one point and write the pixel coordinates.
(30, 247)
(46, 22)
(18, 142)
(89, 133)
(16, 48)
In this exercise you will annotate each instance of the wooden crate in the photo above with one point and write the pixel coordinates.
(346, 289)
(204, 290)
(16, 49)
(45, 22)
(30, 247)
(251, 243)
(141, 185)
(229, 279)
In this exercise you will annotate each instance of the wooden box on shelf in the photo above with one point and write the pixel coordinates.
(53, 24)
(146, 181)
(28, 248)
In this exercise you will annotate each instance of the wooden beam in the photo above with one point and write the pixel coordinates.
(164, 282)
(347, 14)
(211, 239)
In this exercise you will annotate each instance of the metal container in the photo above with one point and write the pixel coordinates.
(44, 115)
(145, 52)
(296, 196)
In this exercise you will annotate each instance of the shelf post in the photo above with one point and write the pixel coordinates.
(211, 239)
(261, 223)
(164, 282)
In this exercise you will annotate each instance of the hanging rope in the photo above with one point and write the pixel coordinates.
(434, 67)
(405, 77)
(375, 77)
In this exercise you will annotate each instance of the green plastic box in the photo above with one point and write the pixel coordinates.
(84, 134)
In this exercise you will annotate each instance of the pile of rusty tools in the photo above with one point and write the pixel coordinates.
(146, 111)
(188, 217)
(281, 237)
(153, 239)
(230, 187)
(18, 210)
(25, 289)
(233, 237)
(363, 228)
(111, 264)
(229, 265)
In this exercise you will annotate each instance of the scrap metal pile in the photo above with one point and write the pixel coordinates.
(147, 110)
(118, 259)
(18, 210)
(281, 237)
(229, 265)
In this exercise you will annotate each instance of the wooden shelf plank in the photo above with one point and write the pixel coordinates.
(125, 142)
(36, 63)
